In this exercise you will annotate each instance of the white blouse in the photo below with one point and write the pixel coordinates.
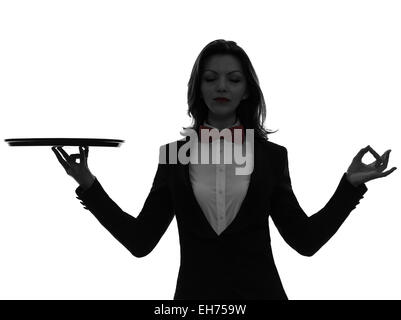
(217, 188)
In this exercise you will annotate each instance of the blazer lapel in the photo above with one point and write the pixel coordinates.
(244, 217)
(194, 219)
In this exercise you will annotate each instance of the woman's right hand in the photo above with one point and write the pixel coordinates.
(77, 170)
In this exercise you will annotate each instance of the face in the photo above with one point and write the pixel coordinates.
(222, 77)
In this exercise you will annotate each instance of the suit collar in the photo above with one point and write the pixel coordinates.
(237, 123)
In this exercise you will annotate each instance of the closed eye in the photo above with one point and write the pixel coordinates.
(210, 80)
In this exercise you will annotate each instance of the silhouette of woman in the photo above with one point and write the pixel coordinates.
(222, 217)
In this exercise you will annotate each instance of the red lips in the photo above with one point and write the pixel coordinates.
(221, 99)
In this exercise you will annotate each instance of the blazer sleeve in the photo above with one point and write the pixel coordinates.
(307, 234)
(139, 235)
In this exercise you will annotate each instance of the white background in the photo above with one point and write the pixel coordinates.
(330, 72)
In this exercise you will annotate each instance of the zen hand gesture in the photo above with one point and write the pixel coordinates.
(78, 170)
(359, 173)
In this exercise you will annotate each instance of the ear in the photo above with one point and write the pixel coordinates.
(245, 96)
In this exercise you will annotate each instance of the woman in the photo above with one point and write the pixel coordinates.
(222, 216)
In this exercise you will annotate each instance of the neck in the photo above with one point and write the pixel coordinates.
(221, 123)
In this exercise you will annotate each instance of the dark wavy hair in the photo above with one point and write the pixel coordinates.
(251, 111)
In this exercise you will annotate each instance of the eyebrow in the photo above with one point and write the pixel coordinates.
(227, 72)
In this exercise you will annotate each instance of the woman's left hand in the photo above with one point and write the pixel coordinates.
(359, 173)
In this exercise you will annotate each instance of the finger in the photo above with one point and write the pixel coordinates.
(65, 154)
(386, 173)
(60, 159)
(361, 153)
(386, 158)
(86, 154)
(74, 157)
(383, 164)
(375, 154)
(375, 164)
(81, 154)
(378, 163)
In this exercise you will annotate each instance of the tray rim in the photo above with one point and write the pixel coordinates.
(63, 142)
(41, 139)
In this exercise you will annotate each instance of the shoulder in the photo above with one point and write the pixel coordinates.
(276, 155)
(274, 149)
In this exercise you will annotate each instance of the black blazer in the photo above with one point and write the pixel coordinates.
(238, 263)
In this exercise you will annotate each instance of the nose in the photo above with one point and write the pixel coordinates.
(222, 85)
